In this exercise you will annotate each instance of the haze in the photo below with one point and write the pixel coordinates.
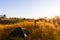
(30, 8)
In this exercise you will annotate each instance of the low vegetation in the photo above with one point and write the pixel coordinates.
(47, 29)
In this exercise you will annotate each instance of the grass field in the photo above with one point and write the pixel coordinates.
(43, 31)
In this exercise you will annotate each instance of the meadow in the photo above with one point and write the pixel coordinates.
(44, 30)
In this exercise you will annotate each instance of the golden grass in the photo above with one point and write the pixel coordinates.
(43, 31)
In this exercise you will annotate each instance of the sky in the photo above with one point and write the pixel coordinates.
(30, 8)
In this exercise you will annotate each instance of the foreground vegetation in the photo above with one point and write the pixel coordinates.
(45, 30)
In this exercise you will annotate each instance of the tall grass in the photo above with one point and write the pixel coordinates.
(43, 31)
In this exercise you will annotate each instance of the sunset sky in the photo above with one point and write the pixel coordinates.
(30, 8)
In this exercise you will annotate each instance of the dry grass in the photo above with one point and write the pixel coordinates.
(43, 31)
